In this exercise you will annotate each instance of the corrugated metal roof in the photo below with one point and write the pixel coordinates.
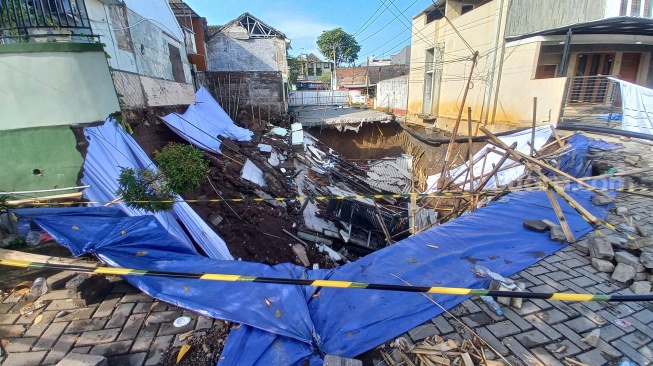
(394, 176)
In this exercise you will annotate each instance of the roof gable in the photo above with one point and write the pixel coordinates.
(254, 27)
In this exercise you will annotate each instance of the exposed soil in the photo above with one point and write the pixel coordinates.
(205, 349)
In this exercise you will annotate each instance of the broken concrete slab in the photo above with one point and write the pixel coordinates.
(300, 251)
(535, 225)
(646, 259)
(80, 359)
(627, 258)
(602, 265)
(215, 219)
(602, 200)
(641, 287)
(623, 273)
(582, 246)
(557, 234)
(600, 248)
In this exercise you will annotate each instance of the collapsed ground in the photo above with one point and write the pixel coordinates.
(253, 231)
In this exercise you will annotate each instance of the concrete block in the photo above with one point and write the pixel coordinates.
(600, 248)
(602, 200)
(623, 273)
(59, 280)
(646, 259)
(215, 219)
(641, 287)
(602, 265)
(626, 258)
(582, 246)
(557, 234)
(549, 223)
(641, 242)
(535, 225)
(618, 242)
(641, 276)
(516, 302)
(504, 300)
(79, 359)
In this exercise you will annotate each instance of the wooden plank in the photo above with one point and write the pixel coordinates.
(74, 196)
(467, 360)
(561, 217)
(555, 134)
(38, 258)
(527, 162)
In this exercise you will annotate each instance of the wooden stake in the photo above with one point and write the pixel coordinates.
(527, 162)
(385, 230)
(471, 158)
(561, 217)
(495, 169)
(534, 123)
(555, 134)
(454, 134)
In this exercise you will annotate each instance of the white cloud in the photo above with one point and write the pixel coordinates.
(300, 28)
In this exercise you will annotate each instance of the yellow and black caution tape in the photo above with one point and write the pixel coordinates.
(331, 283)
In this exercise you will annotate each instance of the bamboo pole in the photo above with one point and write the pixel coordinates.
(561, 217)
(471, 158)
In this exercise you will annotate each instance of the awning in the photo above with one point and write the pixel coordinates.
(616, 25)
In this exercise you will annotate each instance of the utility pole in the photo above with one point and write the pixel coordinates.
(367, 82)
(334, 84)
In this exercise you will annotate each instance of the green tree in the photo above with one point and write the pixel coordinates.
(294, 67)
(344, 44)
(181, 168)
(325, 79)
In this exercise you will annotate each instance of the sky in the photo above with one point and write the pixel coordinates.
(387, 30)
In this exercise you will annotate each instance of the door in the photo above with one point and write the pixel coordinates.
(629, 67)
(590, 84)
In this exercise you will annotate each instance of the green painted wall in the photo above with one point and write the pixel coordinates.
(49, 149)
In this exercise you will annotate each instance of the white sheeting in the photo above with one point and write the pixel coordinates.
(252, 173)
(542, 134)
(160, 13)
(111, 148)
(204, 121)
(637, 105)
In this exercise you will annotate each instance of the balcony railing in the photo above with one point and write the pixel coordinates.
(44, 21)
(591, 101)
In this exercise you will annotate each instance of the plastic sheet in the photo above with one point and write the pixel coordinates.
(204, 121)
(578, 159)
(542, 134)
(110, 148)
(305, 323)
(637, 104)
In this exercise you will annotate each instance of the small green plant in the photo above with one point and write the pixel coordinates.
(4, 204)
(182, 168)
(23, 14)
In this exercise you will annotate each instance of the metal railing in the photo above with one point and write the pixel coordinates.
(44, 21)
(591, 101)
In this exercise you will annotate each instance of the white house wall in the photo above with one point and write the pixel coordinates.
(101, 24)
(392, 93)
(528, 16)
(257, 54)
(160, 12)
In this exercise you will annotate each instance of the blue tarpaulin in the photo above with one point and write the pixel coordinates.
(204, 122)
(111, 149)
(306, 322)
(578, 158)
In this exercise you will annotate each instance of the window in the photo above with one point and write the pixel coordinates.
(635, 7)
(318, 70)
(623, 9)
(647, 8)
(326, 65)
(435, 14)
(177, 65)
(467, 9)
(311, 70)
(546, 71)
(427, 97)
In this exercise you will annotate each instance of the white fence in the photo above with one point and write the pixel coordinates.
(318, 97)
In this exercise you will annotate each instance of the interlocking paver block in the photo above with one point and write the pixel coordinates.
(544, 356)
(503, 329)
(97, 336)
(80, 359)
(25, 359)
(163, 317)
(157, 351)
(442, 324)
(487, 336)
(119, 316)
(60, 349)
(106, 308)
(112, 349)
(134, 359)
(422, 331)
(132, 327)
(144, 338)
(50, 336)
(543, 327)
(20, 344)
(8, 331)
(623, 273)
(636, 339)
(600, 248)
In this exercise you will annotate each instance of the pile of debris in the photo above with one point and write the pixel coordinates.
(438, 351)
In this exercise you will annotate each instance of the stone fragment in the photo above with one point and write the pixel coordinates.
(602, 200)
(593, 337)
(557, 234)
(80, 359)
(549, 223)
(641, 232)
(641, 287)
(618, 242)
(646, 259)
(631, 161)
(602, 265)
(626, 258)
(582, 246)
(535, 225)
(621, 210)
(516, 302)
(215, 219)
(600, 248)
(623, 273)
(641, 276)
(504, 300)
